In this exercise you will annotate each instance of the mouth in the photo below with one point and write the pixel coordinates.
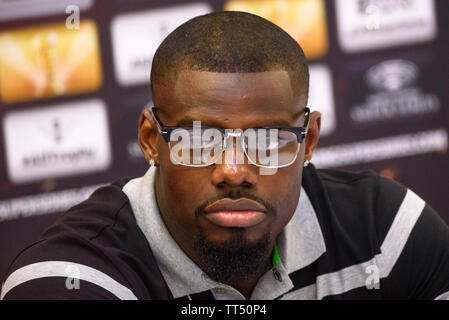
(242, 213)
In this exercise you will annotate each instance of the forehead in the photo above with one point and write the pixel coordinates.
(231, 97)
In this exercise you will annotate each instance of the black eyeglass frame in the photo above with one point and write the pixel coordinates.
(166, 131)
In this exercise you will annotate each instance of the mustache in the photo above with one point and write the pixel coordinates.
(235, 194)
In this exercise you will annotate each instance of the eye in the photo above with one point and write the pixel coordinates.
(274, 143)
(284, 139)
(203, 139)
(281, 142)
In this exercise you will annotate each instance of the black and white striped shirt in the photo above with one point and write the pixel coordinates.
(353, 236)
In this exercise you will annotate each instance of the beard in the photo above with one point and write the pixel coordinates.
(233, 260)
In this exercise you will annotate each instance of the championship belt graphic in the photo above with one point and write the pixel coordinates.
(50, 60)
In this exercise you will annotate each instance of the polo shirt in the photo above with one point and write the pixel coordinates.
(352, 236)
(296, 249)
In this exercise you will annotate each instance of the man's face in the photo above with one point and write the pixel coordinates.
(231, 101)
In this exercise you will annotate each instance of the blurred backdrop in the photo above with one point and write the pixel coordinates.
(74, 76)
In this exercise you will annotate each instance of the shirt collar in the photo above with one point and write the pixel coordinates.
(299, 244)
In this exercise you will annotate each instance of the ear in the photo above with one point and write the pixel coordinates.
(147, 136)
(313, 134)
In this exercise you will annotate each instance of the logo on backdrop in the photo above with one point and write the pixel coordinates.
(304, 20)
(392, 91)
(57, 141)
(133, 55)
(46, 61)
(321, 97)
(370, 24)
(392, 75)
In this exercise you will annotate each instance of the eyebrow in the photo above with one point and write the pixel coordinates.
(188, 122)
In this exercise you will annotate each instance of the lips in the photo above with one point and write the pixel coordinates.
(241, 213)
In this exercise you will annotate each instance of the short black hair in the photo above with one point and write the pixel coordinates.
(231, 41)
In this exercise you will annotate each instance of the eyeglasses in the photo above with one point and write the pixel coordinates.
(200, 146)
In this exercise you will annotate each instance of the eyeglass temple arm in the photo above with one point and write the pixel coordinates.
(152, 109)
(306, 123)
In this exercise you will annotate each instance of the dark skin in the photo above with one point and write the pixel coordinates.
(228, 100)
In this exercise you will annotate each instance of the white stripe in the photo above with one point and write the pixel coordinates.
(68, 270)
(444, 296)
(400, 230)
(343, 280)
(356, 276)
(306, 293)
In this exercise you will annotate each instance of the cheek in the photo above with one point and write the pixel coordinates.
(183, 191)
(283, 190)
(185, 187)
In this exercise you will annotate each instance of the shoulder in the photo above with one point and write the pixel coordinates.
(94, 250)
(363, 184)
(106, 208)
(387, 222)
(370, 202)
(366, 199)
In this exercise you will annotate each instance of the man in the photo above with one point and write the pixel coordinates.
(215, 227)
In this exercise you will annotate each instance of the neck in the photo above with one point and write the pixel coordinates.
(246, 286)
(183, 239)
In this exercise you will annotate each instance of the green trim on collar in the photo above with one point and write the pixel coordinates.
(275, 258)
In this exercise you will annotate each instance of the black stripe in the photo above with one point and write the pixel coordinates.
(304, 277)
(182, 298)
(205, 295)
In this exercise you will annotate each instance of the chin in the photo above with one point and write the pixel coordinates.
(233, 259)
(251, 235)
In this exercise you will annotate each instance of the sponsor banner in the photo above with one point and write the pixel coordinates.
(393, 89)
(321, 97)
(133, 54)
(44, 203)
(19, 9)
(49, 60)
(386, 148)
(371, 24)
(304, 20)
(57, 141)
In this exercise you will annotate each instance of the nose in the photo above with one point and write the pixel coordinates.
(234, 170)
